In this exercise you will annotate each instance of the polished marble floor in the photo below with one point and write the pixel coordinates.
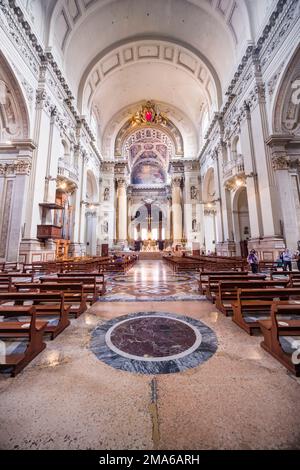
(151, 280)
(241, 398)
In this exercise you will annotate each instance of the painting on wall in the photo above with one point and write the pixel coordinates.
(148, 173)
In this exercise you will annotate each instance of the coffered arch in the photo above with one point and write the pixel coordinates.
(75, 23)
(148, 51)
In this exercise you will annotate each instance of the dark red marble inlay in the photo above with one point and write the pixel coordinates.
(153, 337)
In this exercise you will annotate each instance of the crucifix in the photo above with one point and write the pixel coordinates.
(148, 204)
(149, 220)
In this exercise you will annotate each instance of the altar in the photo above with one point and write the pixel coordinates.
(150, 246)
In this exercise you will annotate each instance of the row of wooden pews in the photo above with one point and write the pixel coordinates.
(9, 266)
(95, 264)
(205, 263)
(32, 307)
(21, 341)
(257, 303)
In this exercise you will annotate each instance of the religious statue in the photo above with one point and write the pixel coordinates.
(106, 194)
(105, 227)
(193, 192)
(194, 225)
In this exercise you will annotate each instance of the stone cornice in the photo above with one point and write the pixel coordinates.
(18, 145)
(281, 140)
(146, 187)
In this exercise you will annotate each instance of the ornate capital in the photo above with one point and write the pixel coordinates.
(280, 162)
(121, 182)
(41, 96)
(177, 181)
(260, 91)
(210, 211)
(18, 167)
(22, 167)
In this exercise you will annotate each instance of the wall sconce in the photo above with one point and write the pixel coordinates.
(239, 183)
(62, 185)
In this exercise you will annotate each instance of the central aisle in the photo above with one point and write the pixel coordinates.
(151, 281)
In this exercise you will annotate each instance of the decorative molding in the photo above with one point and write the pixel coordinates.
(18, 167)
(210, 212)
(273, 81)
(280, 162)
(177, 181)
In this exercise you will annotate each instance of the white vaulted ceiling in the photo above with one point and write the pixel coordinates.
(118, 52)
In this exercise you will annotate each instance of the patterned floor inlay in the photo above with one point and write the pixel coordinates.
(153, 343)
(151, 281)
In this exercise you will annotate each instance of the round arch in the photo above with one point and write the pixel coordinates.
(286, 104)
(92, 190)
(169, 136)
(241, 220)
(14, 116)
(183, 127)
(209, 186)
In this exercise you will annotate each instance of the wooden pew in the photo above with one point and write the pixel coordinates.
(228, 291)
(282, 335)
(179, 264)
(266, 266)
(212, 287)
(254, 305)
(50, 307)
(20, 342)
(204, 275)
(221, 263)
(293, 276)
(91, 287)
(100, 279)
(73, 293)
(9, 266)
(5, 283)
(207, 263)
(7, 280)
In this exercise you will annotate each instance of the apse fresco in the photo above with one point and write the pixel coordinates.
(147, 173)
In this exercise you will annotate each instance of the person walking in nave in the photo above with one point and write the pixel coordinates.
(287, 260)
(253, 261)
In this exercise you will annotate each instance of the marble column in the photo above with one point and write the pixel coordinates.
(168, 234)
(130, 234)
(17, 209)
(82, 211)
(285, 172)
(177, 210)
(122, 211)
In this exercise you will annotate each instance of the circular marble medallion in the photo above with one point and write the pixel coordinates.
(153, 338)
(153, 343)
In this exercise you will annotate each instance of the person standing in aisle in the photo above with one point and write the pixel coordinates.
(253, 261)
(287, 260)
